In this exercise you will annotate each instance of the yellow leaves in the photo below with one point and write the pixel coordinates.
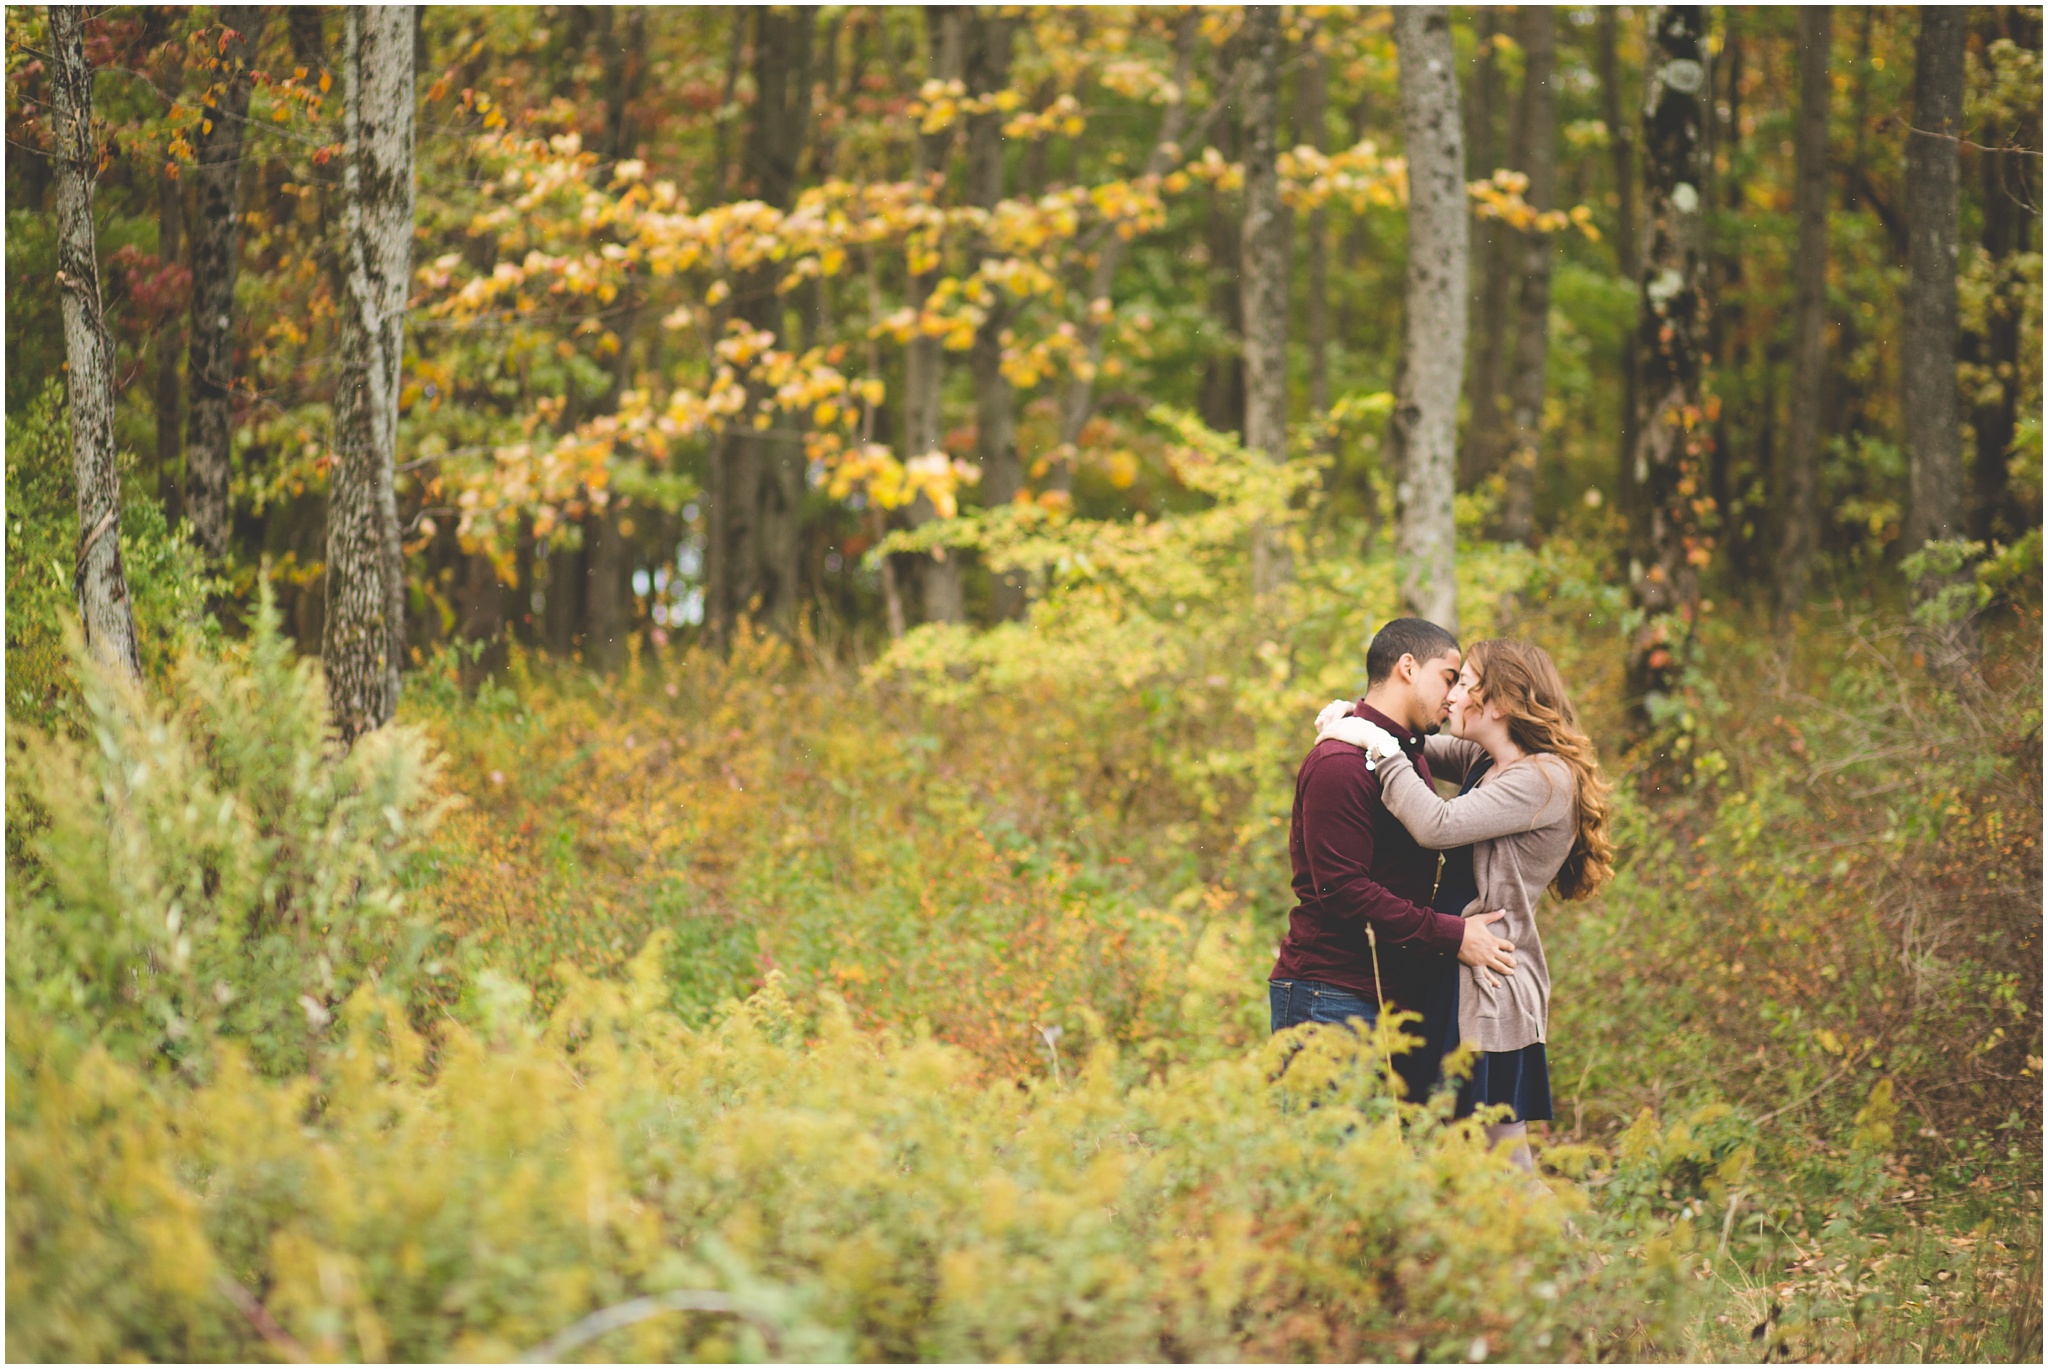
(938, 104)
(1212, 168)
(1500, 197)
(1063, 116)
(1359, 176)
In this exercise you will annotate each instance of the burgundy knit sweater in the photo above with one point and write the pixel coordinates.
(1354, 865)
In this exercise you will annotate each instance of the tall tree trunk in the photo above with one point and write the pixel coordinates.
(1666, 547)
(924, 371)
(1731, 343)
(755, 493)
(104, 609)
(1312, 110)
(1929, 404)
(1496, 259)
(1538, 127)
(1438, 252)
(170, 431)
(605, 624)
(1222, 396)
(995, 408)
(1809, 311)
(216, 258)
(1621, 146)
(364, 634)
(1267, 244)
(604, 594)
(563, 616)
(1080, 397)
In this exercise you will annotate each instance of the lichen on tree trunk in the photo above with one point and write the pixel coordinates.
(364, 636)
(1667, 545)
(1438, 256)
(105, 611)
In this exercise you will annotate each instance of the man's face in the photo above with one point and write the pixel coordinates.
(1434, 679)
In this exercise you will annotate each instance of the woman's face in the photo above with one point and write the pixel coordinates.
(1460, 701)
(1470, 718)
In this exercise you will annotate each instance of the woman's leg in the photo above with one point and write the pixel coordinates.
(1517, 1135)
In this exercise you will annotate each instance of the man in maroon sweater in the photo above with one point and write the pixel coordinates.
(1356, 867)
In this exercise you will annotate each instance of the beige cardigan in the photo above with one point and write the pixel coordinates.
(1520, 822)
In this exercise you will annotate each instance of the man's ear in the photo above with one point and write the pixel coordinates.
(1407, 667)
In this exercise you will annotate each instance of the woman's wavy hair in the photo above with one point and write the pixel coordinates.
(1521, 680)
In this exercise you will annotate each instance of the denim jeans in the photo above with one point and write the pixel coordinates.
(1296, 1001)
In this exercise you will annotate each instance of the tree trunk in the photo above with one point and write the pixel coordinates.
(995, 409)
(1223, 397)
(1438, 252)
(1538, 128)
(1496, 258)
(170, 432)
(481, 601)
(105, 612)
(1312, 110)
(364, 635)
(1927, 344)
(924, 370)
(562, 618)
(1266, 246)
(604, 594)
(1080, 398)
(1809, 312)
(756, 485)
(1621, 147)
(216, 253)
(1666, 547)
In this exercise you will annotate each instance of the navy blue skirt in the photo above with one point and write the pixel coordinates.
(1520, 1079)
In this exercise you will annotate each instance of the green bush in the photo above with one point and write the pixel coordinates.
(203, 864)
(167, 579)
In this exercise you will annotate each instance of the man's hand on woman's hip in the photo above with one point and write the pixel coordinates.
(1482, 949)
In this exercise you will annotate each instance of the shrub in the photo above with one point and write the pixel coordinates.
(855, 1193)
(202, 863)
(167, 580)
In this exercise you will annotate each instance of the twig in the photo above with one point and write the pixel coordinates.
(1728, 1225)
(1809, 1095)
(273, 1335)
(640, 1309)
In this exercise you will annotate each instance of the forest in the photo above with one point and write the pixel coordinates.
(669, 725)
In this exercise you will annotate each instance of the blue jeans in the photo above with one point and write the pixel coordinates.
(1296, 1001)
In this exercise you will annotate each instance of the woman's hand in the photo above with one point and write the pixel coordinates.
(1337, 723)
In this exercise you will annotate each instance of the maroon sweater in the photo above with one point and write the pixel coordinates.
(1354, 865)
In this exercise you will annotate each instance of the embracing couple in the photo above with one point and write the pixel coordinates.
(1406, 900)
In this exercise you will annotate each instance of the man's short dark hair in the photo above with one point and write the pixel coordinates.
(1417, 637)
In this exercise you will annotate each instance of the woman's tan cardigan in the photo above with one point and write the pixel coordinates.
(1520, 822)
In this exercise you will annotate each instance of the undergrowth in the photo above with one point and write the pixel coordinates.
(914, 1010)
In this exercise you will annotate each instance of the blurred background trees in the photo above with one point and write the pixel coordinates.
(704, 303)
